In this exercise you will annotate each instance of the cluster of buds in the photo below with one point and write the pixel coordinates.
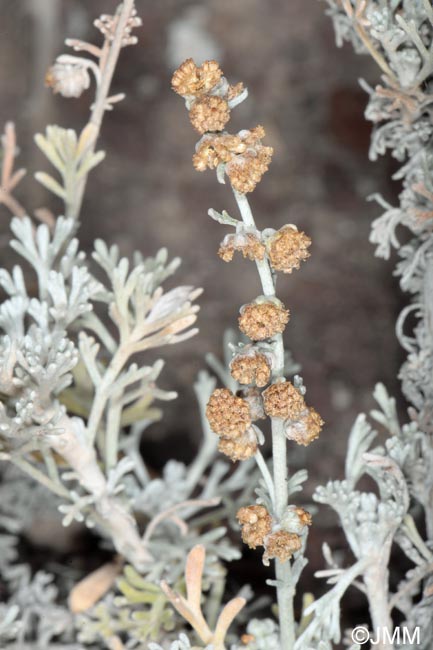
(231, 418)
(107, 25)
(69, 76)
(284, 401)
(280, 540)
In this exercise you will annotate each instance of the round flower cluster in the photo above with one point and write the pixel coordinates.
(301, 422)
(306, 428)
(256, 524)
(209, 99)
(192, 80)
(209, 113)
(207, 94)
(230, 418)
(280, 540)
(263, 319)
(287, 248)
(227, 414)
(281, 546)
(251, 366)
(283, 400)
(245, 157)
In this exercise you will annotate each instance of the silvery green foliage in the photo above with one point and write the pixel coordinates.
(399, 36)
(55, 346)
(137, 608)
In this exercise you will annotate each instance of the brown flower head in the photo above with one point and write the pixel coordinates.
(227, 414)
(262, 320)
(256, 523)
(245, 157)
(287, 248)
(212, 150)
(245, 172)
(283, 400)
(240, 447)
(247, 169)
(209, 113)
(246, 243)
(281, 546)
(306, 428)
(251, 367)
(190, 79)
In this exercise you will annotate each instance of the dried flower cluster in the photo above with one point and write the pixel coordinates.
(231, 419)
(256, 524)
(282, 400)
(246, 243)
(251, 366)
(287, 248)
(281, 546)
(301, 422)
(227, 414)
(279, 541)
(196, 81)
(208, 95)
(244, 159)
(263, 319)
(243, 156)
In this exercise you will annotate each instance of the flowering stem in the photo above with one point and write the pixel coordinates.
(108, 66)
(263, 267)
(279, 452)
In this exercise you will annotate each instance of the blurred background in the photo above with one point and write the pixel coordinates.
(146, 195)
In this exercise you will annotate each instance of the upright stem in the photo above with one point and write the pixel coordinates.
(279, 452)
(100, 105)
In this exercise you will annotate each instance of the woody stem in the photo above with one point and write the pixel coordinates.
(279, 452)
